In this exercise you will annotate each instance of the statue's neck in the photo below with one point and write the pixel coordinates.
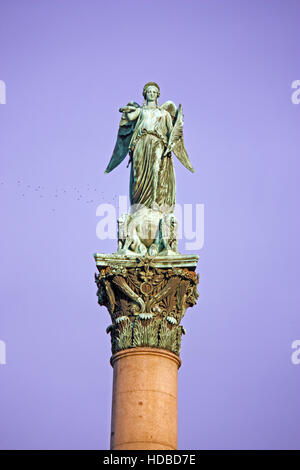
(151, 104)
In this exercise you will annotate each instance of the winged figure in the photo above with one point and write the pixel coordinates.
(150, 133)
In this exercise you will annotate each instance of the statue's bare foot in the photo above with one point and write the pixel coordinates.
(142, 249)
(153, 250)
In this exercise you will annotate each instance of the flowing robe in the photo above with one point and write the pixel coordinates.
(152, 177)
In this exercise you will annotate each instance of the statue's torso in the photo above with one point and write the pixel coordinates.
(152, 121)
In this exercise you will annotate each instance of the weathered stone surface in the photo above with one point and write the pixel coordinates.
(144, 406)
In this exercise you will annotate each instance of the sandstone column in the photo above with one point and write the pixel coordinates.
(144, 403)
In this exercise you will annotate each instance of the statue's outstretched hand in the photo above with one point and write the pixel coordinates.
(127, 109)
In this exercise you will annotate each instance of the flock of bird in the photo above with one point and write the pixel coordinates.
(87, 194)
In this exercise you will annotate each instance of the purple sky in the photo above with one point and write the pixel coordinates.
(68, 67)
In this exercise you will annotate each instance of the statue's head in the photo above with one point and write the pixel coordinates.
(151, 91)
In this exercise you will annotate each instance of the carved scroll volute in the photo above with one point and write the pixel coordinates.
(110, 296)
(170, 288)
(123, 286)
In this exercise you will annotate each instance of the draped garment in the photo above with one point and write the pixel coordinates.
(152, 177)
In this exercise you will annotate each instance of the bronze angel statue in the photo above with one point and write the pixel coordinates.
(150, 133)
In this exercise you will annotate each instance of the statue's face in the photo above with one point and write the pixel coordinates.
(151, 93)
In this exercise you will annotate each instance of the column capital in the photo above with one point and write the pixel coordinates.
(146, 297)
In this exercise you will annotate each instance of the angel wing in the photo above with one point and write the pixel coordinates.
(126, 129)
(175, 143)
(171, 108)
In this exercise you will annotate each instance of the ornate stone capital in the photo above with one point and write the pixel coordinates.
(146, 298)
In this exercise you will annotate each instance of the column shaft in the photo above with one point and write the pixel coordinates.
(144, 402)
